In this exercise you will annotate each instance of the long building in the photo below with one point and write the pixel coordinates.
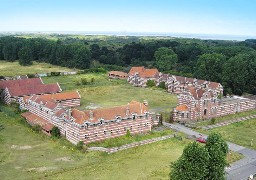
(90, 125)
(13, 90)
(199, 104)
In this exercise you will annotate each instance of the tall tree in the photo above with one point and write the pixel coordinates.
(209, 67)
(165, 59)
(193, 163)
(25, 56)
(217, 148)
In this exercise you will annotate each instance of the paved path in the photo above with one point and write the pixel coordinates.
(239, 170)
(131, 145)
(225, 123)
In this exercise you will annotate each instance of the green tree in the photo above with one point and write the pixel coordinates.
(217, 148)
(162, 85)
(55, 132)
(150, 83)
(193, 163)
(25, 56)
(209, 67)
(165, 59)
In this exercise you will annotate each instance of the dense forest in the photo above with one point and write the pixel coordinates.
(233, 63)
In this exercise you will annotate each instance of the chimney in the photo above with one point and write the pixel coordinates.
(91, 115)
(127, 111)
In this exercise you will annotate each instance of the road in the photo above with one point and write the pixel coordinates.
(239, 170)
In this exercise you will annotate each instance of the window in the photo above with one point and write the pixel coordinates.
(86, 136)
(182, 115)
(205, 111)
(105, 132)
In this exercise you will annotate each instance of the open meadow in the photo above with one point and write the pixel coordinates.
(14, 68)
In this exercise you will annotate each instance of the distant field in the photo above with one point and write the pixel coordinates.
(105, 92)
(13, 68)
(242, 133)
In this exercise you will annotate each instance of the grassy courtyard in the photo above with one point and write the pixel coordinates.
(105, 92)
(14, 68)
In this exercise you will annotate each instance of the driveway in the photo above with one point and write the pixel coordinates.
(239, 170)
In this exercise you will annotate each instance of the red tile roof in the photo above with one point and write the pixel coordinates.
(30, 89)
(36, 120)
(118, 73)
(145, 73)
(21, 82)
(61, 96)
(196, 93)
(182, 107)
(109, 113)
(214, 85)
(136, 70)
(149, 73)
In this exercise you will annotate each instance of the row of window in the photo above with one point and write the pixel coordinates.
(110, 132)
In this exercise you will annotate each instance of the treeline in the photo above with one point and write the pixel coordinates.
(229, 62)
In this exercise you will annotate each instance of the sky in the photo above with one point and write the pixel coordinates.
(229, 17)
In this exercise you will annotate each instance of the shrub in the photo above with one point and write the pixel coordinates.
(128, 133)
(92, 80)
(36, 128)
(84, 81)
(55, 132)
(30, 75)
(213, 121)
(55, 73)
(151, 83)
(78, 82)
(162, 85)
(80, 145)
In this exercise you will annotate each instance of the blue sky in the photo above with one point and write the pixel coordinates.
(234, 17)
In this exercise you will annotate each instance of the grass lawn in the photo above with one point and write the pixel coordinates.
(106, 93)
(228, 117)
(13, 68)
(25, 154)
(240, 133)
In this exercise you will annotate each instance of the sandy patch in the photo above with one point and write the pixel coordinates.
(67, 159)
(42, 169)
(20, 147)
(93, 106)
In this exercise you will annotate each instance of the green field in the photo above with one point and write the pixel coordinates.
(32, 155)
(13, 68)
(240, 133)
(105, 92)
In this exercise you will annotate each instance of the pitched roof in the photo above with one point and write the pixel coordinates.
(20, 82)
(182, 107)
(134, 70)
(149, 73)
(109, 113)
(213, 85)
(30, 89)
(36, 120)
(61, 96)
(118, 73)
(196, 93)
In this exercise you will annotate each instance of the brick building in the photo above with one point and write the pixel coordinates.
(13, 90)
(138, 76)
(197, 104)
(90, 125)
(117, 75)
